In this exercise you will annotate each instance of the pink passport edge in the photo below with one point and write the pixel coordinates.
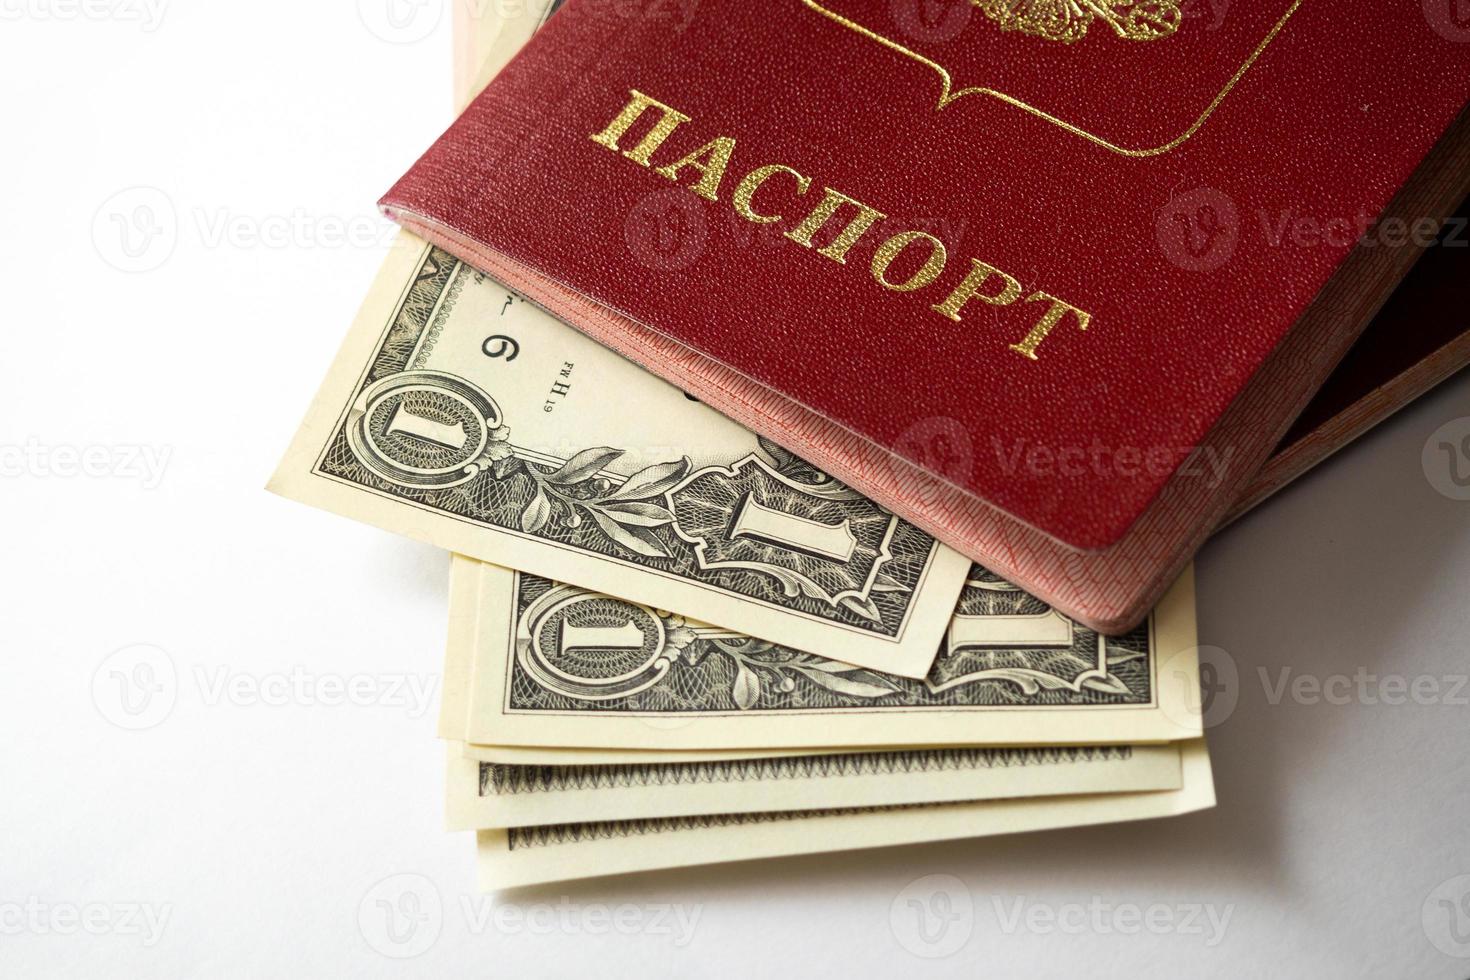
(1110, 590)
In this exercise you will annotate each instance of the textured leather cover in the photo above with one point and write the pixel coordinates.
(1159, 209)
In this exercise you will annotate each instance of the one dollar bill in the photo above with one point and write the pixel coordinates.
(555, 666)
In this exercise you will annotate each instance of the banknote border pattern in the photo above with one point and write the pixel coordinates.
(512, 780)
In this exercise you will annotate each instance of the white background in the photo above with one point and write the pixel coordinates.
(260, 830)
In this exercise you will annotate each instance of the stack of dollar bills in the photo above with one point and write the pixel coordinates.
(678, 644)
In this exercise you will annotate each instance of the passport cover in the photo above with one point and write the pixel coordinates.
(986, 268)
(1418, 340)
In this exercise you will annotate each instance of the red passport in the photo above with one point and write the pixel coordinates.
(1049, 278)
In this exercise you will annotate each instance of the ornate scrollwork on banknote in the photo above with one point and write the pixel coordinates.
(577, 649)
(818, 539)
(426, 429)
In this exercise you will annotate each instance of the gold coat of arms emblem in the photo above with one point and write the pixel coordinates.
(1069, 20)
